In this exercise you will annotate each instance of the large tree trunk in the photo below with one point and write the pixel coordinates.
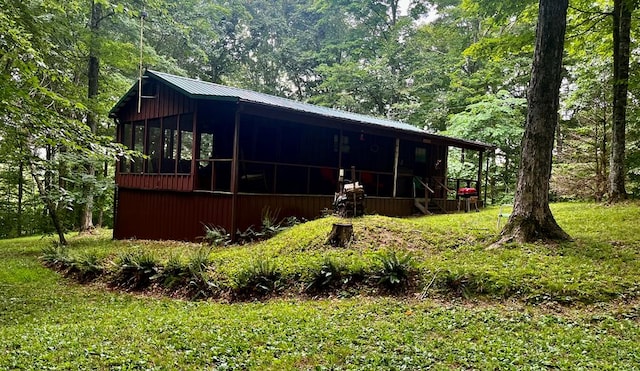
(532, 219)
(621, 43)
(93, 73)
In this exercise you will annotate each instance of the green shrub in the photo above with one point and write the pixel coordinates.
(329, 274)
(198, 273)
(199, 261)
(173, 273)
(55, 255)
(216, 236)
(468, 284)
(86, 266)
(270, 224)
(248, 236)
(261, 277)
(461, 284)
(396, 270)
(135, 270)
(270, 227)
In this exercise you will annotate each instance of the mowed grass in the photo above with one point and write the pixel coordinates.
(486, 309)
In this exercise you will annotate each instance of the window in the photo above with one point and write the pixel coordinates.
(127, 136)
(421, 155)
(138, 145)
(154, 137)
(346, 148)
(149, 89)
(206, 146)
(169, 144)
(186, 144)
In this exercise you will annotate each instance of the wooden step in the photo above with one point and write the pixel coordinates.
(419, 203)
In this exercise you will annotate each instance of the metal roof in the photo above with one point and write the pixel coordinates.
(198, 89)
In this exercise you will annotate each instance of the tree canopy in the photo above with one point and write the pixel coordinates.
(460, 67)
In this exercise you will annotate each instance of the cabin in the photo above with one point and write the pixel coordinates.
(220, 156)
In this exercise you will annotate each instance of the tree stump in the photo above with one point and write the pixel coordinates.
(340, 235)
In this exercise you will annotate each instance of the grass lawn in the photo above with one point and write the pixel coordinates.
(567, 306)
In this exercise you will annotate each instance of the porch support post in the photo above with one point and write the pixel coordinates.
(486, 179)
(340, 144)
(479, 181)
(144, 143)
(396, 158)
(234, 174)
(194, 146)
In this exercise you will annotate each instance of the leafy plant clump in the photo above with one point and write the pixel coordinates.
(198, 268)
(173, 274)
(55, 256)
(270, 224)
(216, 236)
(328, 275)
(86, 266)
(135, 270)
(260, 278)
(397, 269)
(270, 227)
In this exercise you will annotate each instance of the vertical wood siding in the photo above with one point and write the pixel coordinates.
(169, 215)
(175, 182)
(167, 102)
(389, 206)
(250, 207)
(180, 216)
(310, 207)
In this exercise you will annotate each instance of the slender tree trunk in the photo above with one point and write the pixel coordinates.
(47, 174)
(49, 204)
(621, 45)
(505, 175)
(105, 174)
(596, 153)
(394, 11)
(603, 158)
(532, 219)
(20, 197)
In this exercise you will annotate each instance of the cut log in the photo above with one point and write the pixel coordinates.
(340, 235)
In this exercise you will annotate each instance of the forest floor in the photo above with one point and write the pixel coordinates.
(404, 294)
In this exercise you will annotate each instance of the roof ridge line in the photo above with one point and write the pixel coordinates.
(278, 97)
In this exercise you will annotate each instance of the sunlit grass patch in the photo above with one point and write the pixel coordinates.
(449, 254)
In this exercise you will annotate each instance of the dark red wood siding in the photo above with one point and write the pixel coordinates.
(389, 206)
(176, 182)
(166, 102)
(178, 216)
(250, 207)
(310, 207)
(145, 214)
